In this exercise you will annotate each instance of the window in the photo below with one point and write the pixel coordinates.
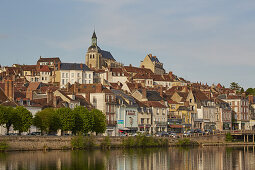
(63, 75)
(72, 75)
(142, 120)
(78, 74)
(31, 79)
(63, 81)
(45, 78)
(89, 76)
(85, 75)
(66, 75)
(42, 78)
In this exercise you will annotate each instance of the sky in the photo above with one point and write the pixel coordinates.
(209, 41)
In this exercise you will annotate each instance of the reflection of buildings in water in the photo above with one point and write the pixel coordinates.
(202, 158)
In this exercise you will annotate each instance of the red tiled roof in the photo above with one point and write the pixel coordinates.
(154, 104)
(131, 69)
(44, 68)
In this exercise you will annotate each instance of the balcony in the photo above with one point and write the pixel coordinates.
(111, 123)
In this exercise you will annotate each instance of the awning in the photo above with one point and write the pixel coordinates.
(175, 126)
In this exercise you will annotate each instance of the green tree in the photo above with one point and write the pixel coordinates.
(100, 121)
(44, 120)
(67, 119)
(78, 125)
(6, 117)
(250, 91)
(22, 119)
(88, 120)
(235, 86)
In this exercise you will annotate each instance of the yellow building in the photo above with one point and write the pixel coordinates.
(152, 63)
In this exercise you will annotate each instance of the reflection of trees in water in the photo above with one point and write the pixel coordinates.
(151, 158)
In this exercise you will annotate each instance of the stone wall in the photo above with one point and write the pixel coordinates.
(64, 142)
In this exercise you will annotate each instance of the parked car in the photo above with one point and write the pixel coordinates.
(186, 134)
(162, 134)
(199, 131)
(208, 131)
(173, 135)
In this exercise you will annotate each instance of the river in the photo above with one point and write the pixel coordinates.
(202, 158)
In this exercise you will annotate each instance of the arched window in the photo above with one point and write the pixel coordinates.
(93, 56)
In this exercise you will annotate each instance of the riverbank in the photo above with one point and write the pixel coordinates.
(32, 143)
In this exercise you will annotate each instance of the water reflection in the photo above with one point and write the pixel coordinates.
(168, 158)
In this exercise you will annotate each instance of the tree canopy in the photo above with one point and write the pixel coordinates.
(22, 119)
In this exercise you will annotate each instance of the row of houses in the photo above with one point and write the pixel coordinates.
(134, 99)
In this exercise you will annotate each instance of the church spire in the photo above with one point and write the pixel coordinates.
(94, 39)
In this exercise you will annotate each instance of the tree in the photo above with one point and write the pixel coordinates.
(250, 91)
(99, 125)
(22, 119)
(66, 118)
(78, 125)
(235, 86)
(44, 119)
(6, 117)
(88, 120)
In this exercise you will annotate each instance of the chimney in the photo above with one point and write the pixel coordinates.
(130, 65)
(243, 95)
(98, 88)
(250, 97)
(58, 65)
(49, 96)
(55, 101)
(6, 88)
(75, 88)
(161, 91)
(136, 85)
(142, 66)
(88, 97)
(170, 73)
(11, 90)
(144, 93)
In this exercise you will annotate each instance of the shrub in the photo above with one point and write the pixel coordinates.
(144, 141)
(77, 142)
(88, 142)
(106, 143)
(3, 146)
(80, 142)
(229, 137)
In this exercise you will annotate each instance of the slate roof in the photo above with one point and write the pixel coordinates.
(74, 66)
(106, 54)
(152, 95)
(153, 58)
(121, 95)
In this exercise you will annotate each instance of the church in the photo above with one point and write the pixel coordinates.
(99, 59)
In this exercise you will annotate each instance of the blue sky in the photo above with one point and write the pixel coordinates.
(200, 40)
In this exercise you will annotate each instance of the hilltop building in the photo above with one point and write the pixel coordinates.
(152, 63)
(97, 58)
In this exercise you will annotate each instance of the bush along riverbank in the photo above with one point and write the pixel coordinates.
(140, 141)
(186, 142)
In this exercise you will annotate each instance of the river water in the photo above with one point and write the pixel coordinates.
(202, 158)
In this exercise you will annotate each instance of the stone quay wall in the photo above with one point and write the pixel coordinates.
(20, 143)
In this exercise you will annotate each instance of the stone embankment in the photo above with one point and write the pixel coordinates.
(22, 143)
